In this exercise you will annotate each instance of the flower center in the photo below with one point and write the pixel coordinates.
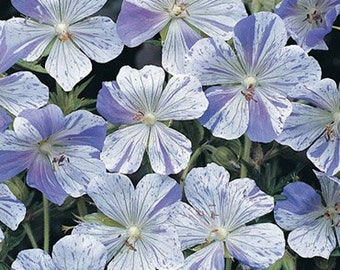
(45, 148)
(56, 159)
(134, 235)
(220, 233)
(331, 130)
(179, 10)
(249, 85)
(333, 213)
(314, 17)
(62, 30)
(148, 119)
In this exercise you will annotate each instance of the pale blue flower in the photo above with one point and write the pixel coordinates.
(316, 124)
(309, 21)
(72, 252)
(183, 21)
(74, 36)
(216, 221)
(137, 99)
(254, 78)
(12, 211)
(313, 219)
(61, 154)
(143, 237)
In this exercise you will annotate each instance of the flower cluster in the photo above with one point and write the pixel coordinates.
(142, 168)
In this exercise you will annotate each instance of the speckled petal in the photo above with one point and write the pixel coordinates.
(33, 259)
(12, 211)
(79, 252)
(330, 188)
(5, 120)
(97, 38)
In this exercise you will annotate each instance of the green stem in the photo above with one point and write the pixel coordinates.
(245, 156)
(46, 224)
(192, 161)
(228, 263)
(30, 235)
(81, 206)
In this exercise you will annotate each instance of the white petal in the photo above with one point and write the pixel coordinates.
(330, 188)
(124, 149)
(182, 99)
(33, 259)
(313, 239)
(79, 252)
(142, 88)
(67, 64)
(303, 126)
(258, 245)
(97, 38)
(192, 227)
(112, 238)
(215, 18)
(12, 211)
(179, 39)
(22, 90)
(208, 258)
(213, 61)
(169, 151)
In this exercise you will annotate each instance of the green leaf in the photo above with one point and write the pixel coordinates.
(4, 266)
(31, 66)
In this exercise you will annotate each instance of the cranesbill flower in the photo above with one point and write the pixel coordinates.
(182, 21)
(61, 154)
(255, 78)
(308, 21)
(137, 99)
(143, 237)
(12, 211)
(72, 252)
(74, 36)
(314, 220)
(217, 217)
(5, 120)
(316, 124)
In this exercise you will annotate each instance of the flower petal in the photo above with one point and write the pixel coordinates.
(303, 126)
(33, 259)
(113, 195)
(227, 115)
(12, 211)
(169, 151)
(137, 24)
(179, 39)
(192, 227)
(5, 120)
(268, 112)
(313, 239)
(112, 238)
(41, 176)
(330, 188)
(325, 155)
(182, 99)
(67, 64)
(154, 192)
(124, 149)
(210, 257)
(22, 90)
(97, 38)
(79, 252)
(258, 245)
(215, 18)
(82, 128)
(302, 205)
(213, 61)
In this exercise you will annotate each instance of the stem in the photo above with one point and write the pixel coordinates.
(245, 156)
(228, 263)
(30, 235)
(192, 161)
(336, 27)
(46, 224)
(81, 206)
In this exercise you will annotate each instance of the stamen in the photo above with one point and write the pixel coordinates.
(179, 10)
(314, 17)
(249, 83)
(62, 31)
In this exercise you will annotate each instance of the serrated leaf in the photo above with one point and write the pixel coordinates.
(31, 66)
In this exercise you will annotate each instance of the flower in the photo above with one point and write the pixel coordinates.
(143, 238)
(74, 36)
(60, 153)
(254, 81)
(72, 252)
(314, 220)
(316, 124)
(12, 211)
(137, 99)
(308, 21)
(181, 21)
(217, 221)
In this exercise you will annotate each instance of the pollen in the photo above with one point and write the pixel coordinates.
(179, 10)
(62, 31)
(149, 119)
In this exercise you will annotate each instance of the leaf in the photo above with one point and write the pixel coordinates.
(31, 66)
